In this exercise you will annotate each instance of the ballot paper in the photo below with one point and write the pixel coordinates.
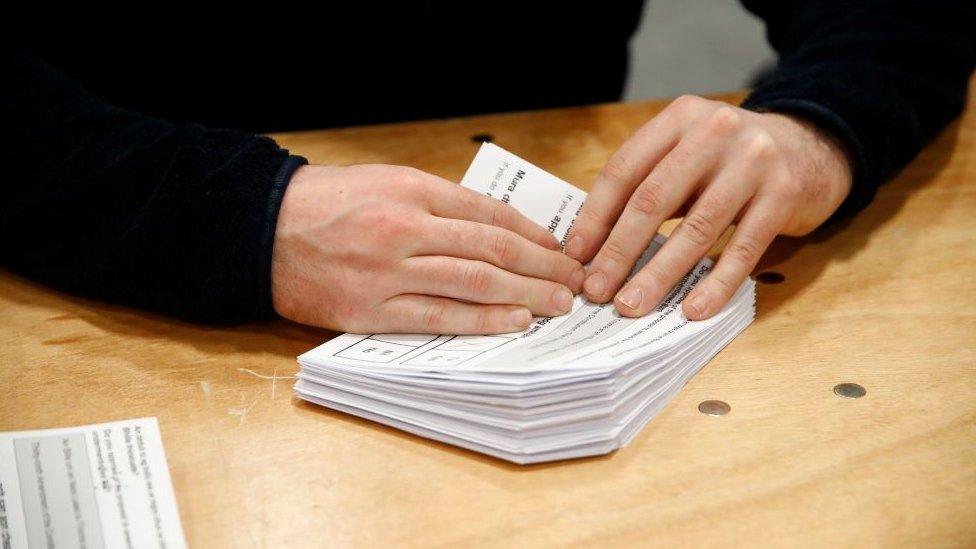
(103, 485)
(580, 384)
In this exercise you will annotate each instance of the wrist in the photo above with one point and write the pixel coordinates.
(281, 277)
(822, 161)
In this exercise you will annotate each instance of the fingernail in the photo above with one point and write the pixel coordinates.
(595, 284)
(631, 297)
(520, 318)
(576, 281)
(574, 248)
(562, 300)
(697, 305)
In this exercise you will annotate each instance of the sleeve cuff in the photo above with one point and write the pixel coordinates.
(275, 196)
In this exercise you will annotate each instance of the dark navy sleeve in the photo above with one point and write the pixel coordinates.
(110, 204)
(885, 76)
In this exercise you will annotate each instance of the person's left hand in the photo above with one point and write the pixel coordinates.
(718, 164)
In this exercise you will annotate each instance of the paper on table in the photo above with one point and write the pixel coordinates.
(578, 385)
(589, 336)
(103, 485)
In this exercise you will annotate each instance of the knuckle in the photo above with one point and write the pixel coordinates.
(711, 204)
(669, 168)
(465, 200)
(563, 268)
(590, 218)
(388, 223)
(462, 234)
(476, 278)
(653, 274)
(759, 146)
(456, 227)
(724, 286)
(687, 103)
(724, 120)
(410, 177)
(744, 250)
(457, 231)
(504, 249)
(484, 320)
(697, 229)
(614, 252)
(498, 213)
(648, 198)
(617, 170)
(433, 316)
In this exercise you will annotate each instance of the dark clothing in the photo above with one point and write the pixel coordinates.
(386, 62)
(117, 184)
(883, 75)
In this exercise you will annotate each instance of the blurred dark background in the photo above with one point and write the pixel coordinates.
(350, 65)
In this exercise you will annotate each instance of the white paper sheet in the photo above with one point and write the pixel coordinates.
(590, 336)
(102, 485)
(577, 385)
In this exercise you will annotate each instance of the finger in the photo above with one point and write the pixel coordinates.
(760, 225)
(708, 218)
(615, 184)
(481, 282)
(453, 201)
(502, 248)
(438, 315)
(627, 168)
(667, 187)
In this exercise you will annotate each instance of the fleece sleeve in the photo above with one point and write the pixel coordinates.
(883, 75)
(109, 204)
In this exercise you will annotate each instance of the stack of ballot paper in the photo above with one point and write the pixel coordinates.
(577, 385)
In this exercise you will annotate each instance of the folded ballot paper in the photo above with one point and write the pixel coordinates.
(581, 384)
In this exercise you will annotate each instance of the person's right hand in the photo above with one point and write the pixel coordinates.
(378, 248)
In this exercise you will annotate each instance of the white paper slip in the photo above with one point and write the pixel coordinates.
(102, 485)
(576, 385)
(589, 336)
(536, 193)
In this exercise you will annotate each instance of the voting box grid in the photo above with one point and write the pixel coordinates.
(383, 349)
(458, 349)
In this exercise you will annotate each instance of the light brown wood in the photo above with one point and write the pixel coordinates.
(887, 300)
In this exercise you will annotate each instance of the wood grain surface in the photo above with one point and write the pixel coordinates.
(887, 300)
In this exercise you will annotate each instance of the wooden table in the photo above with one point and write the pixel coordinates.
(887, 301)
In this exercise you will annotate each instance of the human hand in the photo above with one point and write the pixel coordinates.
(717, 165)
(378, 248)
